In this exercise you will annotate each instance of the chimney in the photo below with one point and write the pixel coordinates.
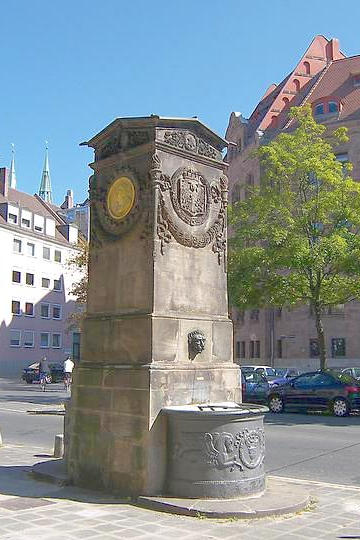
(333, 50)
(69, 200)
(4, 181)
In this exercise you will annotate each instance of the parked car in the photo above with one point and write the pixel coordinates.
(318, 390)
(31, 373)
(268, 371)
(283, 375)
(353, 372)
(255, 387)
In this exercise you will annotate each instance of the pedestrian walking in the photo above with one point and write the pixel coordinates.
(44, 372)
(68, 369)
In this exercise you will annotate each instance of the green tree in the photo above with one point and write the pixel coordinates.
(78, 263)
(295, 240)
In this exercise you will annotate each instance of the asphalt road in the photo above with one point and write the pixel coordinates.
(313, 447)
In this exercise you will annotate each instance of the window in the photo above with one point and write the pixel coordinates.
(338, 347)
(45, 282)
(254, 314)
(29, 279)
(57, 255)
(333, 107)
(337, 309)
(46, 253)
(307, 68)
(319, 109)
(15, 307)
(56, 312)
(12, 218)
(236, 194)
(29, 309)
(76, 346)
(38, 223)
(296, 85)
(285, 101)
(30, 249)
(16, 276)
(279, 348)
(15, 336)
(240, 315)
(44, 340)
(45, 311)
(28, 338)
(356, 79)
(255, 349)
(242, 349)
(57, 284)
(25, 223)
(56, 341)
(17, 246)
(237, 349)
(314, 348)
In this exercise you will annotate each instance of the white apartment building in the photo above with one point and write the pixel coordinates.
(35, 244)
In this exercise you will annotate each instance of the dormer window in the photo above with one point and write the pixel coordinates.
(356, 79)
(333, 107)
(12, 218)
(319, 109)
(38, 223)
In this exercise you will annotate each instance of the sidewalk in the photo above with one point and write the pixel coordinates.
(30, 509)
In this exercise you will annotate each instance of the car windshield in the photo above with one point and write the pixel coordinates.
(281, 372)
(247, 370)
(343, 377)
(270, 372)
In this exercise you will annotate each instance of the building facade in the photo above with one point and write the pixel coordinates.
(330, 82)
(35, 280)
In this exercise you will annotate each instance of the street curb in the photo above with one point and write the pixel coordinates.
(50, 411)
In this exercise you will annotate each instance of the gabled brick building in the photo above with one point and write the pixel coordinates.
(330, 82)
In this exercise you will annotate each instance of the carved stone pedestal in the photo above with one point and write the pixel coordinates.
(157, 331)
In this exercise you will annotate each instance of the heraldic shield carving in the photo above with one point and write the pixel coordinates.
(190, 196)
(190, 209)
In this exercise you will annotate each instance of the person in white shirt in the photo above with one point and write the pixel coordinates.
(68, 368)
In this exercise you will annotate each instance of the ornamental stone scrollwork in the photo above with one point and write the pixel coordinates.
(245, 449)
(189, 209)
(185, 140)
(116, 203)
(122, 141)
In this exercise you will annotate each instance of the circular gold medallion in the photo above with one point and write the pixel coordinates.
(121, 197)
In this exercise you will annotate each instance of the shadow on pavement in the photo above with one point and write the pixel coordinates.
(17, 481)
(292, 419)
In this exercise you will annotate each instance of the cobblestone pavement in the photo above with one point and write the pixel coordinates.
(30, 509)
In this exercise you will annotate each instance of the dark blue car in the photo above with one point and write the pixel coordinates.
(255, 387)
(319, 390)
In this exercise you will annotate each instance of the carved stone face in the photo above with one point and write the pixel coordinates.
(196, 341)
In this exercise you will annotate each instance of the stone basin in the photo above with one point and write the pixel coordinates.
(215, 450)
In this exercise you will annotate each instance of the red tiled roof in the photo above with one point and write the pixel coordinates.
(338, 82)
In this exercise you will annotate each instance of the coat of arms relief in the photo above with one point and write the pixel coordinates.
(190, 209)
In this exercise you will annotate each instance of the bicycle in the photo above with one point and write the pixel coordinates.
(45, 379)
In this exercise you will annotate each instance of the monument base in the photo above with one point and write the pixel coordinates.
(115, 438)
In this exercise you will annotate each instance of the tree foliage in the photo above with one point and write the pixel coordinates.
(78, 263)
(295, 240)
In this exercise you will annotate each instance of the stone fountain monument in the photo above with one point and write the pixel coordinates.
(157, 331)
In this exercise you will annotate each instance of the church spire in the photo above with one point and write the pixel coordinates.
(45, 185)
(12, 174)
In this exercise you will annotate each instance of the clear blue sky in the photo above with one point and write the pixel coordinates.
(69, 68)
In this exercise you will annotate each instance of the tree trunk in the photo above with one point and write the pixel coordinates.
(321, 336)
